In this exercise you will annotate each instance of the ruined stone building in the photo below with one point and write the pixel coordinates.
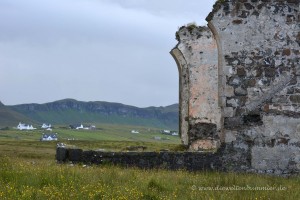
(239, 93)
(240, 84)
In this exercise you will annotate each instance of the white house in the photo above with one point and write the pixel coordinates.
(49, 137)
(46, 126)
(25, 127)
(175, 134)
(79, 127)
(134, 131)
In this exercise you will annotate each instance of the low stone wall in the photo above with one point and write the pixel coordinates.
(238, 156)
(191, 161)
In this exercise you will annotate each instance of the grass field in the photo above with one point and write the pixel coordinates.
(28, 171)
(110, 132)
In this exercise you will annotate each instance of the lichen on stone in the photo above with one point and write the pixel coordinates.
(216, 7)
(190, 27)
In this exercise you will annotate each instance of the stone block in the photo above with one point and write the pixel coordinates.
(242, 100)
(297, 90)
(228, 112)
(239, 91)
(61, 154)
(241, 72)
(200, 145)
(237, 21)
(230, 136)
(234, 81)
(228, 70)
(232, 102)
(286, 52)
(202, 131)
(295, 99)
(229, 91)
(273, 158)
(270, 72)
(248, 6)
(75, 155)
(257, 72)
(282, 125)
(244, 14)
(249, 82)
(293, 1)
(231, 122)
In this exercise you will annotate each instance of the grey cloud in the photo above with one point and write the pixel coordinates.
(92, 49)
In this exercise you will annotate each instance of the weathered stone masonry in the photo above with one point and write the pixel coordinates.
(240, 84)
(147, 160)
(197, 60)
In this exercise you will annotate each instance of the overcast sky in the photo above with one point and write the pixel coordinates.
(92, 50)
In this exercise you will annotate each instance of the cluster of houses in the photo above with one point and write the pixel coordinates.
(168, 132)
(22, 126)
(53, 136)
(48, 127)
(165, 132)
(80, 126)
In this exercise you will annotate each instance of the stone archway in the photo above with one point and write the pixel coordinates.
(183, 94)
(196, 56)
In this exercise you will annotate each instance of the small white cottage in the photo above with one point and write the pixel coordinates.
(80, 127)
(49, 137)
(135, 131)
(46, 126)
(25, 127)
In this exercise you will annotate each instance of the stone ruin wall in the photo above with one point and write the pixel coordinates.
(240, 84)
(190, 161)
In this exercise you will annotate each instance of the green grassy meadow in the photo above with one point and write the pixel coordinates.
(28, 170)
(109, 132)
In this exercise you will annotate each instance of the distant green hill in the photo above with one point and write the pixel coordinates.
(8, 117)
(69, 111)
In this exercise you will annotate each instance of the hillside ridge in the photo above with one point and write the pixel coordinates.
(67, 111)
